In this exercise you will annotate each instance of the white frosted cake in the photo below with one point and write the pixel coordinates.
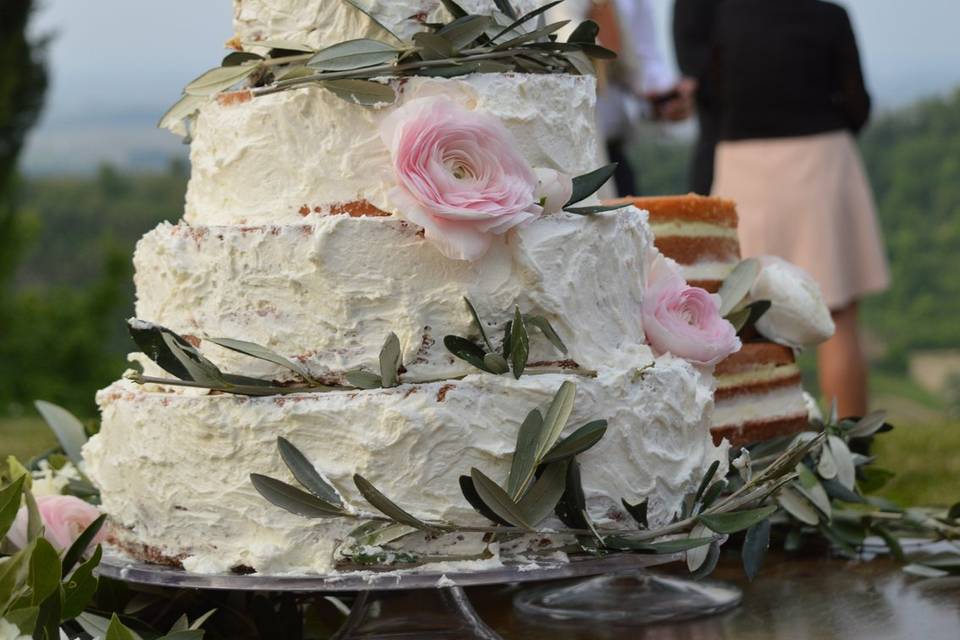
(298, 236)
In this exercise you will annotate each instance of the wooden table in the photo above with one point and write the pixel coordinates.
(792, 599)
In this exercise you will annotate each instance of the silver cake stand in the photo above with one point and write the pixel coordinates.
(431, 605)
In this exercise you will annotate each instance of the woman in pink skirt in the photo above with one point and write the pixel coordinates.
(792, 97)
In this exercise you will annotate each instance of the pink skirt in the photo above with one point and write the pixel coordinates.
(807, 200)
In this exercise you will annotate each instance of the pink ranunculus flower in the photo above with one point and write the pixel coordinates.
(460, 175)
(64, 519)
(683, 320)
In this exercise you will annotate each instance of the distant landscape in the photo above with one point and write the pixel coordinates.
(77, 232)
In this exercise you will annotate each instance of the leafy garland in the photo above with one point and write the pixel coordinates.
(496, 43)
(544, 480)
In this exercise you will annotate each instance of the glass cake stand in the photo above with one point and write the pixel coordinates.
(429, 604)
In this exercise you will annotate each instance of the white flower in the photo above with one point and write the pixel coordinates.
(10, 631)
(48, 481)
(798, 316)
(554, 189)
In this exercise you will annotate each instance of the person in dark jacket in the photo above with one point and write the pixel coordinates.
(789, 97)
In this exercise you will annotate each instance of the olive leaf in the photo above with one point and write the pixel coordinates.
(745, 318)
(363, 379)
(79, 546)
(698, 555)
(10, 504)
(843, 461)
(585, 33)
(373, 20)
(495, 363)
(707, 478)
(498, 500)
(546, 329)
(384, 505)
(589, 211)
(292, 499)
(236, 58)
(577, 442)
(734, 521)
(532, 36)
(464, 30)
(34, 519)
(68, 429)
(183, 108)
(81, 587)
(808, 484)
(432, 46)
(868, 425)
(794, 503)
(470, 494)
(261, 353)
(525, 18)
(519, 344)
(467, 351)
(556, 418)
(738, 284)
(479, 323)
(506, 8)
(637, 511)
(363, 92)
(390, 361)
(307, 474)
(353, 54)
(755, 545)
(678, 545)
(586, 185)
(219, 79)
(525, 462)
(279, 44)
(540, 501)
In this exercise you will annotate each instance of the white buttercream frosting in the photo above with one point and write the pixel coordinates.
(798, 316)
(321, 23)
(781, 402)
(173, 468)
(276, 158)
(329, 293)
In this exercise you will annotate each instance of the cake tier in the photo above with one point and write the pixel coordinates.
(699, 232)
(284, 157)
(759, 395)
(328, 293)
(173, 468)
(321, 23)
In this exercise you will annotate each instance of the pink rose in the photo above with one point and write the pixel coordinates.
(460, 175)
(683, 320)
(64, 519)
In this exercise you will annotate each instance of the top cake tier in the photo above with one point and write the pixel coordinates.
(285, 157)
(321, 23)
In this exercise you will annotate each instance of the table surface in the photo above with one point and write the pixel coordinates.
(792, 599)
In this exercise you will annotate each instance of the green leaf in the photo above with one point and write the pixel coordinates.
(24, 618)
(846, 469)
(705, 481)
(697, 556)
(261, 353)
(353, 54)
(524, 461)
(798, 506)
(638, 512)
(532, 36)
(80, 545)
(187, 634)
(454, 9)
(183, 108)
(14, 573)
(297, 71)
(953, 513)
(48, 617)
(540, 501)
(709, 563)
(923, 571)
(363, 379)
(199, 369)
(69, 431)
(585, 33)
(547, 330)
(363, 92)
(526, 18)
(556, 419)
(384, 505)
(497, 499)
(891, 541)
(80, 588)
(735, 521)
(470, 494)
(34, 519)
(467, 351)
(370, 17)
(44, 577)
(432, 47)
(236, 58)
(495, 363)
(464, 30)
(375, 534)
(94, 625)
(738, 284)
(219, 79)
(10, 504)
(755, 546)
(577, 442)
(118, 631)
(153, 342)
(279, 45)
(519, 344)
(589, 183)
(505, 7)
(589, 211)
(390, 361)
(292, 499)
(479, 323)
(678, 545)
(868, 425)
(808, 484)
(196, 624)
(306, 474)
(747, 317)
(572, 508)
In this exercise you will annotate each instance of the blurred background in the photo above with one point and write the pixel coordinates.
(84, 173)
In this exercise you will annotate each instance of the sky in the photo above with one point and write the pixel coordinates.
(117, 64)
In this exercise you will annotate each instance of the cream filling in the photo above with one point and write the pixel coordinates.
(692, 230)
(708, 270)
(775, 403)
(763, 373)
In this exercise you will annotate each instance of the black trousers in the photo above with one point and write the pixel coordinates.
(701, 165)
(624, 177)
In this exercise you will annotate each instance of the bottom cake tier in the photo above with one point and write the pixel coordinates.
(173, 466)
